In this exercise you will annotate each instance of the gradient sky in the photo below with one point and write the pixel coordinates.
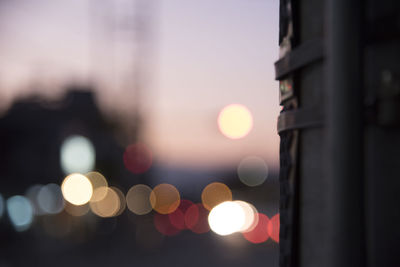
(203, 55)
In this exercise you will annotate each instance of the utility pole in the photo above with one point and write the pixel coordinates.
(339, 76)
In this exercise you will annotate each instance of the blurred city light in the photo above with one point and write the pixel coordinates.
(252, 171)
(165, 198)
(77, 155)
(235, 121)
(177, 217)
(108, 206)
(20, 212)
(226, 218)
(77, 189)
(121, 200)
(250, 216)
(273, 228)
(260, 233)
(215, 193)
(138, 158)
(32, 194)
(50, 199)
(97, 180)
(196, 219)
(138, 199)
(164, 226)
(76, 211)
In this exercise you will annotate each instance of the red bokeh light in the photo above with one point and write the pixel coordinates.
(273, 228)
(177, 218)
(164, 226)
(137, 158)
(196, 219)
(260, 233)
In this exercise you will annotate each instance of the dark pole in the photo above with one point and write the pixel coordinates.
(344, 132)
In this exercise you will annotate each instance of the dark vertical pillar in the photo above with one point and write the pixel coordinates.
(344, 135)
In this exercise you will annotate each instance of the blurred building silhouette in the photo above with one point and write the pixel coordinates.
(32, 132)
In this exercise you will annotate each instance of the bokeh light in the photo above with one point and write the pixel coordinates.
(32, 194)
(122, 201)
(260, 233)
(250, 216)
(165, 198)
(77, 154)
(215, 193)
(235, 121)
(138, 199)
(273, 228)
(164, 226)
(97, 180)
(76, 211)
(196, 219)
(177, 217)
(1, 205)
(226, 218)
(252, 171)
(50, 199)
(77, 189)
(138, 158)
(109, 206)
(20, 212)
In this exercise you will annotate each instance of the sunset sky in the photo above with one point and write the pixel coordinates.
(202, 56)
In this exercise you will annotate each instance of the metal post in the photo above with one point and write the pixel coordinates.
(344, 132)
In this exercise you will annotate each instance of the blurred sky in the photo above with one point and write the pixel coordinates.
(198, 56)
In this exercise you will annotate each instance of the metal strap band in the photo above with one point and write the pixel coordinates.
(299, 57)
(300, 118)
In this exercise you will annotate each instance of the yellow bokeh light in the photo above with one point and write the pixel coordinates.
(77, 189)
(215, 193)
(138, 199)
(226, 218)
(109, 206)
(97, 180)
(165, 198)
(235, 121)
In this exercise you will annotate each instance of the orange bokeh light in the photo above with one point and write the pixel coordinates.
(235, 121)
(165, 198)
(215, 193)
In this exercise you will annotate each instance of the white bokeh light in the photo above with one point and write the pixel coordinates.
(250, 216)
(227, 218)
(77, 154)
(77, 189)
(252, 171)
